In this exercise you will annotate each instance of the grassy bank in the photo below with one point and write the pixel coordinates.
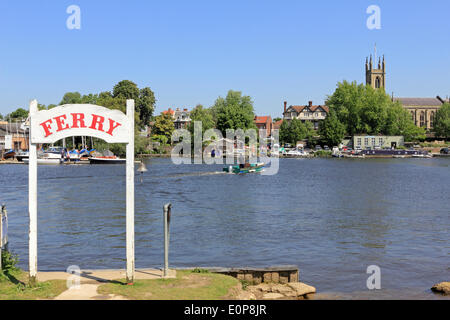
(188, 285)
(14, 286)
(14, 283)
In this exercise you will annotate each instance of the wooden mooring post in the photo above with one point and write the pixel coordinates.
(167, 211)
(3, 232)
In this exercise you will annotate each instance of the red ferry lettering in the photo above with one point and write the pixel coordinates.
(78, 120)
(61, 125)
(112, 126)
(97, 120)
(47, 127)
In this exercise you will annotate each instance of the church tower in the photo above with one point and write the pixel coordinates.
(376, 78)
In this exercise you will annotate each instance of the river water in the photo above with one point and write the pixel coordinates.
(331, 217)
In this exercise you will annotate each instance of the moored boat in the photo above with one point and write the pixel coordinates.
(44, 161)
(21, 155)
(245, 168)
(106, 160)
(9, 154)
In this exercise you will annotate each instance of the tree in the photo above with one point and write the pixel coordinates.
(204, 116)
(126, 89)
(163, 126)
(18, 114)
(71, 98)
(234, 112)
(295, 130)
(1, 117)
(146, 105)
(89, 99)
(332, 130)
(442, 122)
(365, 110)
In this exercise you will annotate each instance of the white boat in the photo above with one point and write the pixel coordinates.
(337, 153)
(48, 157)
(21, 155)
(297, 153)
(45, 161)
(421, 155)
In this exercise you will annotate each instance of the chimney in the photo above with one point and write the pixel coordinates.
(285, 105)
(310, 104)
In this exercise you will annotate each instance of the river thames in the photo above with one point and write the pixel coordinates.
(331, 217)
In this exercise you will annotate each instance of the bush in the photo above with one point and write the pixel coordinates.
(9, 261)
(323, 153)
(200, 270)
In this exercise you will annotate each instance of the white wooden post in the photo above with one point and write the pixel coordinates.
(130, 194)
(32, 202)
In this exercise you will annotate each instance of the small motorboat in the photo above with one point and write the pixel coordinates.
(21, 155)
(245, 168)
(106, 160)
(9, 154)
(51, 156)
(297, 153)
(422, 155)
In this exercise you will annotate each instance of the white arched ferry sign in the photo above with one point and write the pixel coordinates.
(49, 126)
(79, 120)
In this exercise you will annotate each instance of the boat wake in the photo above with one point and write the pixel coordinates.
(193, 174)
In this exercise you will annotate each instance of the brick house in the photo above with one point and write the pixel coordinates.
(264, 122)
(309, 112)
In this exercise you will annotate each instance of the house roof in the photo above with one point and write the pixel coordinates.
(262, 119)
(419, 101)
(299, 109)
(277, 124)
(172, 112)
(11, 128)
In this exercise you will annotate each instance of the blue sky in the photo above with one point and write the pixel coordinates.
(191, 52)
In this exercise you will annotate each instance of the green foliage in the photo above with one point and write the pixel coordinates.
(71, 98)
(200, 270)
(145, 105)
(323, 153)
(363, 109)
(332, 130)
(141, 145)
(205, 116)
(244, 284)
(126, 89)
(442, 122)
(295, 130)
(163, 126)
(9, 262)
(234, 112)
(119, 149)
(18, 114)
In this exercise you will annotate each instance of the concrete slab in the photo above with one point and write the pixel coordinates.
(102, 276)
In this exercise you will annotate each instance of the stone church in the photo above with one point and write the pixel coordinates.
(422, 110)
